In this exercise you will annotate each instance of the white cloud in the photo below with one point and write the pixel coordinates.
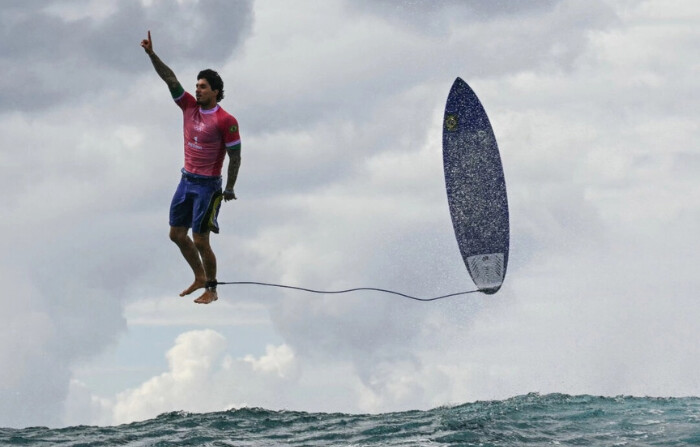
(187, 384)
(202, 377)
(278, 360)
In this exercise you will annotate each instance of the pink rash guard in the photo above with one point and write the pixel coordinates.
(208, 133)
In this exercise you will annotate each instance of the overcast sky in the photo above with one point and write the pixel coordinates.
(595, 108)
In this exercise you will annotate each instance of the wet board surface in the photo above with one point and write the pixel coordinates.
(476, 188)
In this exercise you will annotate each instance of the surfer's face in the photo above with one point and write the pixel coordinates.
(206, 97)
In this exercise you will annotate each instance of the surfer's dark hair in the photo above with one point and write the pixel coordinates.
(214, 80)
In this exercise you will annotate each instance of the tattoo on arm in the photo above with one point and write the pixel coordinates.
(233, 165)
(164, 71)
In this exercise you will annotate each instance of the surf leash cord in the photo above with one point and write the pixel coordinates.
(356, 289)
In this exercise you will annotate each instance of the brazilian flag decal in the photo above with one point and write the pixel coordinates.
(233, 129)
(451, 122)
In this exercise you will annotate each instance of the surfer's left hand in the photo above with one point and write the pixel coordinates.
(229, 195)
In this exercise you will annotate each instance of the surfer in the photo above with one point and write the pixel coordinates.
(209, 134)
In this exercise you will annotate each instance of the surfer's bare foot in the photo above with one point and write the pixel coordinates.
(196, 285)
(207, 297)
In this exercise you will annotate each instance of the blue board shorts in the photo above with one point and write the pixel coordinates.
(196, 203)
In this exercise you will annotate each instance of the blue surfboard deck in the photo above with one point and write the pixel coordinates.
(476, 188)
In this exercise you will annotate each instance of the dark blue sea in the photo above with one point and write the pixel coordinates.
(530, 420)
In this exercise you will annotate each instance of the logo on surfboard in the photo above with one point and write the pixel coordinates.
(451, 122)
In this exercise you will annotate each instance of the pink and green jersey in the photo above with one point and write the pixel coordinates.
(208, 133)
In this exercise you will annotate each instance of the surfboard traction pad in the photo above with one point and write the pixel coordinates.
(487, 271)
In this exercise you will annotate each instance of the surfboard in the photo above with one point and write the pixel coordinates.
(476, 188)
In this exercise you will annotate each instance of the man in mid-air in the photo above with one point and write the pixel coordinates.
(210, 133)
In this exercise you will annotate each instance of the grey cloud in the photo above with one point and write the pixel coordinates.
(478, 9)
(502, 38)
(193, 31)
(58, 58)
(44, 332)
(72, 257)
(436, 17)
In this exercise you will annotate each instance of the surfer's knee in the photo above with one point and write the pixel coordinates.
(201, 241)
(178, 235)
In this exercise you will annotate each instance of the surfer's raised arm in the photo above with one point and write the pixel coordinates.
(163, 70)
